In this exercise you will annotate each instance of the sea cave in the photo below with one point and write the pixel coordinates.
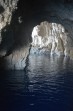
(36, 55)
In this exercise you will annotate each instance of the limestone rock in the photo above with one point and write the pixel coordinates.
(8, 7)
(53, 37)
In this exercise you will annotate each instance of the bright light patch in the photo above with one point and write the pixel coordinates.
(53, 37)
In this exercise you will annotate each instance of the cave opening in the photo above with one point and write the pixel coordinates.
(53, 22)
(36, 55)
(51, 38)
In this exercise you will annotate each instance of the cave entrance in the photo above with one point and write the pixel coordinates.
(50, 37)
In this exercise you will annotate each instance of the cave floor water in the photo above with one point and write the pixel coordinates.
(46, 85)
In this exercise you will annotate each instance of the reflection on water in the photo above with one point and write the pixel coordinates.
(47, 84)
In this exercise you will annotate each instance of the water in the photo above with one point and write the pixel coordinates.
(46, 85)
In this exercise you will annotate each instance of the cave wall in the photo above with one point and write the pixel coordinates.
(14, 47)
(17, 19)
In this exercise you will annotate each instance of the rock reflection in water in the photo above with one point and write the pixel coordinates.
(47, 84)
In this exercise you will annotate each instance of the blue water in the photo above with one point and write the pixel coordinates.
(45, 85)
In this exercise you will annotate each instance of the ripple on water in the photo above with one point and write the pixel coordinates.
(46, 85)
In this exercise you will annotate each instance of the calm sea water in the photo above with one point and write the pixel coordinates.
(45, 85)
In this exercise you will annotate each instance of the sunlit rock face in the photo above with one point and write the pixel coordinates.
(51, 37)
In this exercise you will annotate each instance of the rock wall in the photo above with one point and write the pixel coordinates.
(6, 7)
(14, 42)
(53, 38)
(17, 19)
(11, 57)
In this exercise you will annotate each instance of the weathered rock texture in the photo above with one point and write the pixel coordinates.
(53, 38)
(6, 7)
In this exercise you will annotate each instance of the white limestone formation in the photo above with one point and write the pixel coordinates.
(52, 36)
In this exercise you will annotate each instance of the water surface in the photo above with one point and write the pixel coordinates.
(45, 85)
